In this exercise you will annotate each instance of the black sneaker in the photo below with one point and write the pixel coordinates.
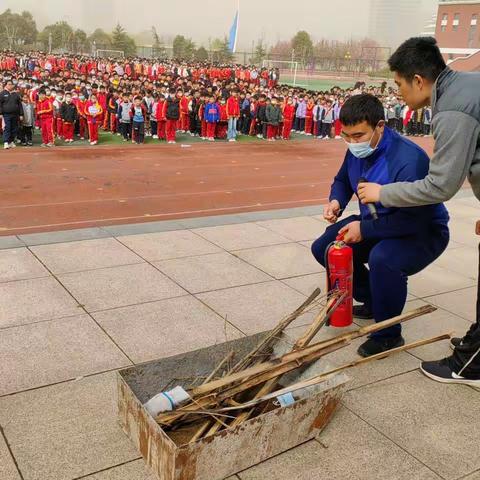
(444, 371)
(373, 346)
(457, 342)
(362, 312)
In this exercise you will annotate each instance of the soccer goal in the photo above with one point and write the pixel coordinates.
(288, 71)
(110, 54)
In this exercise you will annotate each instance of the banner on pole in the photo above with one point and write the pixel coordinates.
(232, 44)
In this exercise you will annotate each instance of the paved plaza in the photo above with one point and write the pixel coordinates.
(78, 305)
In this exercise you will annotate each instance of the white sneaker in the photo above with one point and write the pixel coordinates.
(6, 146)
(155, 137)
(12, 145)
(232, 140)
(338, 137)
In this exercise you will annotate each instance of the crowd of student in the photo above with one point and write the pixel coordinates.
(69, 97)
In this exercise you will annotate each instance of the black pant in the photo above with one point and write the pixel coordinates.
(139, 132)
(11, 127)
(154, 127)
(326, 129)
(125, 130)
(26, 134)
(299, 124)
(470, 348)
(426, 129)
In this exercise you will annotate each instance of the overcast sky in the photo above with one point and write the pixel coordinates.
(200, 19)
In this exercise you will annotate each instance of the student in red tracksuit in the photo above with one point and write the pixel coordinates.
(309, 117)
(212, 116)
(102, 100)
(44, 111)
(161, 115)
(112, 108)
(82, 119)
(288, 116)
(201, 116)
(222, 125)
(173, 115)
(184, 113)
(94, 113)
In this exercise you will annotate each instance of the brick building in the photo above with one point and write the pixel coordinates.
(458, 33)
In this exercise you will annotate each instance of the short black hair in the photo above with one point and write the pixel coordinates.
(362, 108)
(418, 56)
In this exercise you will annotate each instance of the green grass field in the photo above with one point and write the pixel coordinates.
(322, 84)
(108, 139)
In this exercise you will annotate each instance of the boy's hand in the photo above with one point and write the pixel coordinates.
(369, 192)
(351, 233)
(331, 211)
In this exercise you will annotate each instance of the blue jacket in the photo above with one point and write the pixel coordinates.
(212, 113)
(396, 159)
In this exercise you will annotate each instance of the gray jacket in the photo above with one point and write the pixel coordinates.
(456, 129)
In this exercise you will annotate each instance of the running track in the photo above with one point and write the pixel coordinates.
(78, 187)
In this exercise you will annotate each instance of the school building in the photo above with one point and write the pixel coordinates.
(458, 33)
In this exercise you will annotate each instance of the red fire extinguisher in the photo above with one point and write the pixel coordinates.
(339, 264)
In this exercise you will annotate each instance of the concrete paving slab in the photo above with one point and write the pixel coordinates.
(35, 300)
(67, 430)
(306, 284)
(136, 470)
(297, 229)
(165, 328)
(120, 286)
(63, 236)
(10, 241)
(256, 308)
(437, 423)
(211, 272)
(461, 302)
(349, 449)
(462, 260)
(241, 236)
(55, 351)
(168, 245)
(20, 264)
(85, 255)
(8, 470)
(435, 280)
(282, 261)
(436, 323)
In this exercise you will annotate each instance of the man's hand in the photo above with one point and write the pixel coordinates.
(351, 233)
(369, 192)
(331, 211)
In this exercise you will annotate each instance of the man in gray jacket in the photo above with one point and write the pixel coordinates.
(424, 79)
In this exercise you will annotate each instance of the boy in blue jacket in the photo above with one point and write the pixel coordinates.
(402, 241)
(212, 117)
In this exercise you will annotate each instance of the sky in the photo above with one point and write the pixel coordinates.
(270, 20)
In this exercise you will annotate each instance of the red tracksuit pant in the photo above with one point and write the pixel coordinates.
(93, 131)
(272, 131)
(83, 127)
(308, 124)
(59, 127)
(338, 128)
(162, 129)
(171, 130)
(287, 129)
(113, 123)
(68, 130)
(204, 129)
(211, 127)
(46, 124)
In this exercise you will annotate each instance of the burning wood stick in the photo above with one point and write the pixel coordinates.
(211, 393)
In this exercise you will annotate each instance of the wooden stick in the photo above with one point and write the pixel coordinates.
(299, 354)
(320, 378)
(220, 366)
(273, 336)
(320, 320)
(302, 342)
(279, 366)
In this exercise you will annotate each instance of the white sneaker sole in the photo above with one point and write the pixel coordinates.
(459, 381)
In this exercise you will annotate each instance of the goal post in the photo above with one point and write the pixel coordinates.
(109, 54)
(288, 70)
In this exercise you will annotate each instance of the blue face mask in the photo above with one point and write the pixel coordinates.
(363, 149)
